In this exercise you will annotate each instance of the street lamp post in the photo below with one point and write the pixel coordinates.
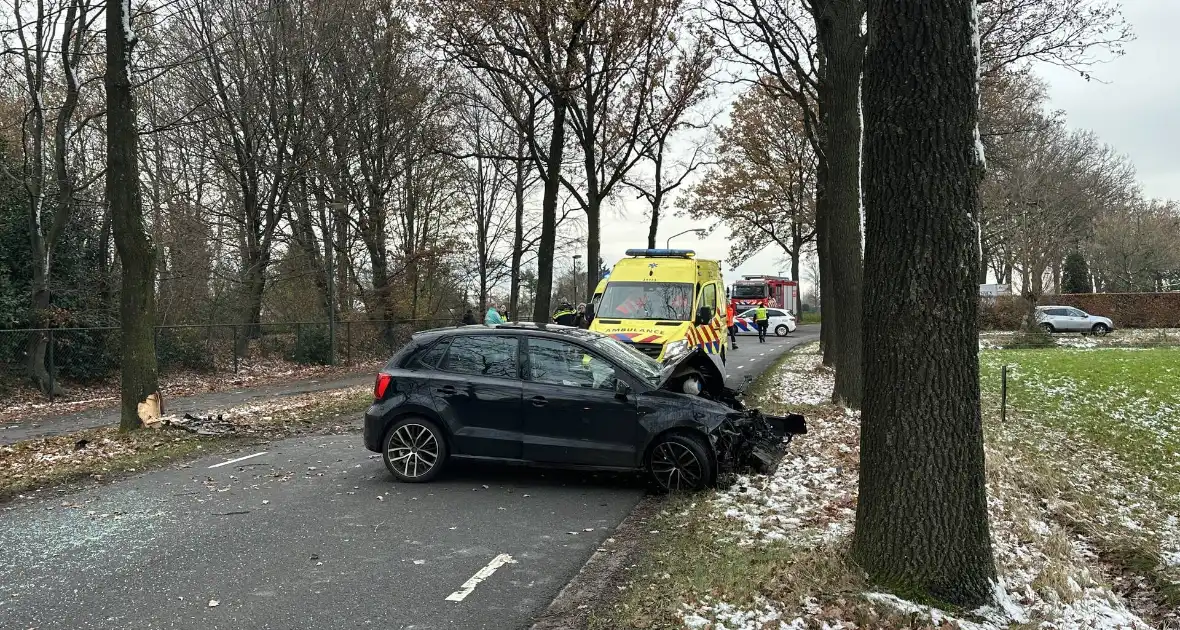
(700, 234)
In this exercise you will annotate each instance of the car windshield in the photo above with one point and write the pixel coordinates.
(628, 357)
(749, 291)
(647, 300)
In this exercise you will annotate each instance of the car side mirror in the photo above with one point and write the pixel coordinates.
(704, 316)
(621, 389)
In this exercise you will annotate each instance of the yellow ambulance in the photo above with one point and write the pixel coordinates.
(668, 304)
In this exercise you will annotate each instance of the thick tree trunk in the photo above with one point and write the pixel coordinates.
(549, 212)
(795, 256)
(137, 307)
(593, 248)
(253, 284)
(827, 328)
(842, 47)
(921, 521)
(38, 346)
(518, 230)
(652, 227)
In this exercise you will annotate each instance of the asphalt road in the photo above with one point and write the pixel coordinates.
(15, 431)
(312, 533)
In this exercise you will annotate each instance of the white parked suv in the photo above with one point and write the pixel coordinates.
(1069, 319)
(781, 322)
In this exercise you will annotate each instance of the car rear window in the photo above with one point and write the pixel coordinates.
(482, 355)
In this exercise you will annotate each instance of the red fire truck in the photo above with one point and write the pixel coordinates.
(771, 291)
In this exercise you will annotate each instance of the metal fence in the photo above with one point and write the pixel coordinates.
(91, 355)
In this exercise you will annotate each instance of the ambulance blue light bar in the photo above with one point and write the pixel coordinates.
(662, 253)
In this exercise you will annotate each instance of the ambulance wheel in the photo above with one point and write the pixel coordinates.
(781, 330)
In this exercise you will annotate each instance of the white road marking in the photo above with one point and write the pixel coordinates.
(480, 576)
(740, 367)
(234, 461)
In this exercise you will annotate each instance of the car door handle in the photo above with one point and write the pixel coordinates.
(446, 390)
(539, 401)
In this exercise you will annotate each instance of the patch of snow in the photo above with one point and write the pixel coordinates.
(1045, 570)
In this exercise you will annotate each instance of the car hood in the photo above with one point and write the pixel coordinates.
(668, 370)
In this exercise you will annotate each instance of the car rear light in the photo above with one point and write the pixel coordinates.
(383, 381)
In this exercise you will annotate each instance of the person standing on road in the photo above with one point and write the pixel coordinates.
(731, 326)
(468, 318)
(580, 319)
(493, 317)
(565, 315)
(762, 319)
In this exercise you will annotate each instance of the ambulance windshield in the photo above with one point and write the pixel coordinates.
(647, 300)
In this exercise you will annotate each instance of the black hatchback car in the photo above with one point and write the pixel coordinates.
(558, 396)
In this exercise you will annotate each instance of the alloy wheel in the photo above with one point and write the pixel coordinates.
(676, 467)
(413, 450)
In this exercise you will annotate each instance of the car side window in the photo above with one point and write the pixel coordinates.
(559, 363)
(775, 313)
(482, 355)
(748, 314)
(428, 357)
(1073, 312)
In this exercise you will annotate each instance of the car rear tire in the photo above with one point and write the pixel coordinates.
(1048, 328)
(781, 330)
(415, 450)
(1100, 329)
(679, 462)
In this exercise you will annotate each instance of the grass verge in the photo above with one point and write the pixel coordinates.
(104, 453)
(1097, 433)
(1082, 504)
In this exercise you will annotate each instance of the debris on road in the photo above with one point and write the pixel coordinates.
(91, 453)
(213, 603)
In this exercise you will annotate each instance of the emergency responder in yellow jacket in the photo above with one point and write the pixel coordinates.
(762, 319)
(565, 315)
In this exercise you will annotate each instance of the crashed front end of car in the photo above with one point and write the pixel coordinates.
(743, 439)
(752, 441)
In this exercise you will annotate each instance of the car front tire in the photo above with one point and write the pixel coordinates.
(679, 462)
(414, 450)
(781, 330)
(1100, 329)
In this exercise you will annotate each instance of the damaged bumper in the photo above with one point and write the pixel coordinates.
(748, 440)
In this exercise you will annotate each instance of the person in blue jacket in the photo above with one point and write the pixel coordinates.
(493, 317)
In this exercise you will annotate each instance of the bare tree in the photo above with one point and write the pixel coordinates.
(623, 60)
(1133, 247)
(763, 188)
(1073, 34)
(519, 48)
(811, 53)
(137, 296)
(48, 38)
(252, 85)
(673, 110)
(1042, 202)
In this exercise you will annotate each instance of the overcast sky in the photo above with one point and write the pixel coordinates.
(1133, 104)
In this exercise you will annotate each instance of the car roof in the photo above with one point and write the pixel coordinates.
(514, 328)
